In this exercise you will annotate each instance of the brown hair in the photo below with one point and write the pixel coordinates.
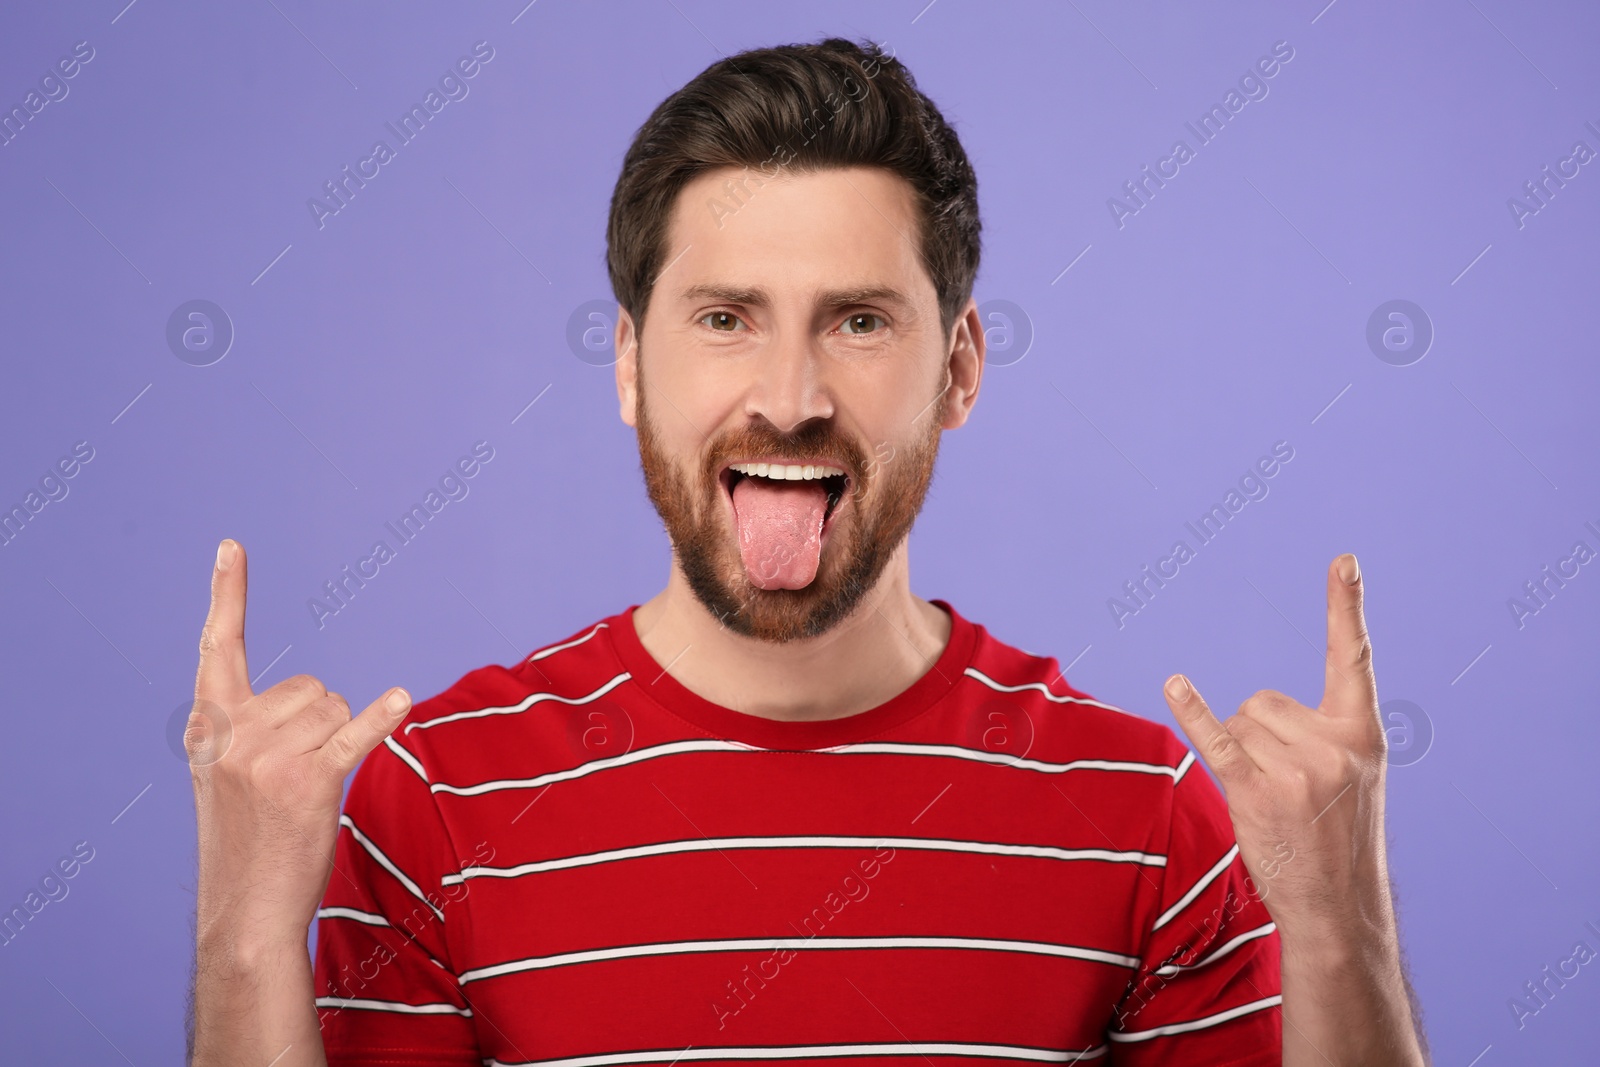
(800, 107)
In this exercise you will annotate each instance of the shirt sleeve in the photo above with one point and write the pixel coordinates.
(1207, 990)
(386, 993)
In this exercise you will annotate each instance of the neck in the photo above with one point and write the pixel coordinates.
(891, 639)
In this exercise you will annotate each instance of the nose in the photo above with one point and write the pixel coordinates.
(790, 386)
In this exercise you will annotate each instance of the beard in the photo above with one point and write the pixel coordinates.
(884, 496)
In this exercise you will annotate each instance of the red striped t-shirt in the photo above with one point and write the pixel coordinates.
(578, 862)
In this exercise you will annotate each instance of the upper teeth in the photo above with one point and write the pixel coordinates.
(792, 471)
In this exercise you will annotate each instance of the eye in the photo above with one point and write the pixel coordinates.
(856, 318)
(722, 317)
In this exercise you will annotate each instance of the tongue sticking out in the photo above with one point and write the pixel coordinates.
(780, 530)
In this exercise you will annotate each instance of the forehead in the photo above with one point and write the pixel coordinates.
(799, 232)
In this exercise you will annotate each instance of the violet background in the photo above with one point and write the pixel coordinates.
(1228, 314)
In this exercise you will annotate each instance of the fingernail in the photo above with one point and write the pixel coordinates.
(1178, 688)
(1349, 569)
(397, 701)
(226, 552)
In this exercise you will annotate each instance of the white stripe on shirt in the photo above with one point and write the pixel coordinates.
(806, 1052)
(523, 705)
(748, 944)
(388, 864)
(553, 649)
(873, 748)
(701, 844)
(1206, 879)
(973, 672)
(1249, 935)
(352, 913)
(1196, 1024)
(410, 760)
(392, 1005)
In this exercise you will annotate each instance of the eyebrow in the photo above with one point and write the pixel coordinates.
(759, 297)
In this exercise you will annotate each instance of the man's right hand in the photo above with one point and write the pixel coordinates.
(268, 771)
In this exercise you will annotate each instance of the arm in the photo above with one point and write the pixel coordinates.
(268, 770)
(1314, 777)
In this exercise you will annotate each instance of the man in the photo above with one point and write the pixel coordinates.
(786, 809)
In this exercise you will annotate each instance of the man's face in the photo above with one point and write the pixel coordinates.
(794, 326)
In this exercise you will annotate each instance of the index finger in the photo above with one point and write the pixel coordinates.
(1349, 686)
(224, 676)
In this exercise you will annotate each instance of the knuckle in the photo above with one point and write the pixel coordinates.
(1259, 701)
(210, 640)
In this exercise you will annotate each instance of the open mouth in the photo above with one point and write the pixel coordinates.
(835, 482)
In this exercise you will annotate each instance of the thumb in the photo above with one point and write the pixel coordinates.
(349, 745)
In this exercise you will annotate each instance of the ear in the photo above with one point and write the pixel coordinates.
(627, 365)
(965, 361)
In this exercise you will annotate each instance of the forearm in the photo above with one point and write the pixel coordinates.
(254, 1003)
(1346, 1001)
